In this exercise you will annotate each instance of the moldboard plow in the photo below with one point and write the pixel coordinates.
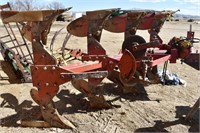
(134, 64)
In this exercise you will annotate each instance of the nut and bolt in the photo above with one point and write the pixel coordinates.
(55, 84)
(45, 68)
(39, 84)
(47, 84)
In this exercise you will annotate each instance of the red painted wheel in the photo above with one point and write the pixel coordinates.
(132, 41)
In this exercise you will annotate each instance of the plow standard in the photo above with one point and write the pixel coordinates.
(136, 62)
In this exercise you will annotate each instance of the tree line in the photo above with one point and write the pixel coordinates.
(27, 5)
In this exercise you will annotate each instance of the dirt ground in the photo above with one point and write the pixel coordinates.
(154, 108)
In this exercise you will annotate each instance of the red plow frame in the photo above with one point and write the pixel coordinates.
(96, 64)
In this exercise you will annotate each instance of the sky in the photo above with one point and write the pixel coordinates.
(189, 7)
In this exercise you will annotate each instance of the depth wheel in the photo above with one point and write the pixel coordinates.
(131, 41)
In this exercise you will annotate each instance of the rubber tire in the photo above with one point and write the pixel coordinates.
(128, 43)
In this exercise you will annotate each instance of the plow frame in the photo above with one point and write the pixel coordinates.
(47, 74)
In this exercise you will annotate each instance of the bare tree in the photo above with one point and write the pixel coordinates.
(27, 5)
(15, 5)
(23, 5)
(54, 5)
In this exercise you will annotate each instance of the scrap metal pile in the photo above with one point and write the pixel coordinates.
(135, 63)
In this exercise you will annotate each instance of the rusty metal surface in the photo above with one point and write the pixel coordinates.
(116, 24)
(80, 27)
(5, 6)
(96, 20)
(142, 20)
(101, 16)
(21, 16)
(193, 60)
(49, 113)
(81, 85)
(95, 100)
(16, 16)
(41, 56)
(80, 24)
(133, 21)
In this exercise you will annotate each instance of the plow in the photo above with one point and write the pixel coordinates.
(135, 63)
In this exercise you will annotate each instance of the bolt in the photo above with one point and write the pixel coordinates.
(110, 62)
(45, 68)
(47, 84)
(39, 84)
(28, 78)
(36, 68)
(98, 33)
(53, 68)
(99, 16)
(38, 101)
(55, 84)
(100, 27)
(62, 76)
(47, 95)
